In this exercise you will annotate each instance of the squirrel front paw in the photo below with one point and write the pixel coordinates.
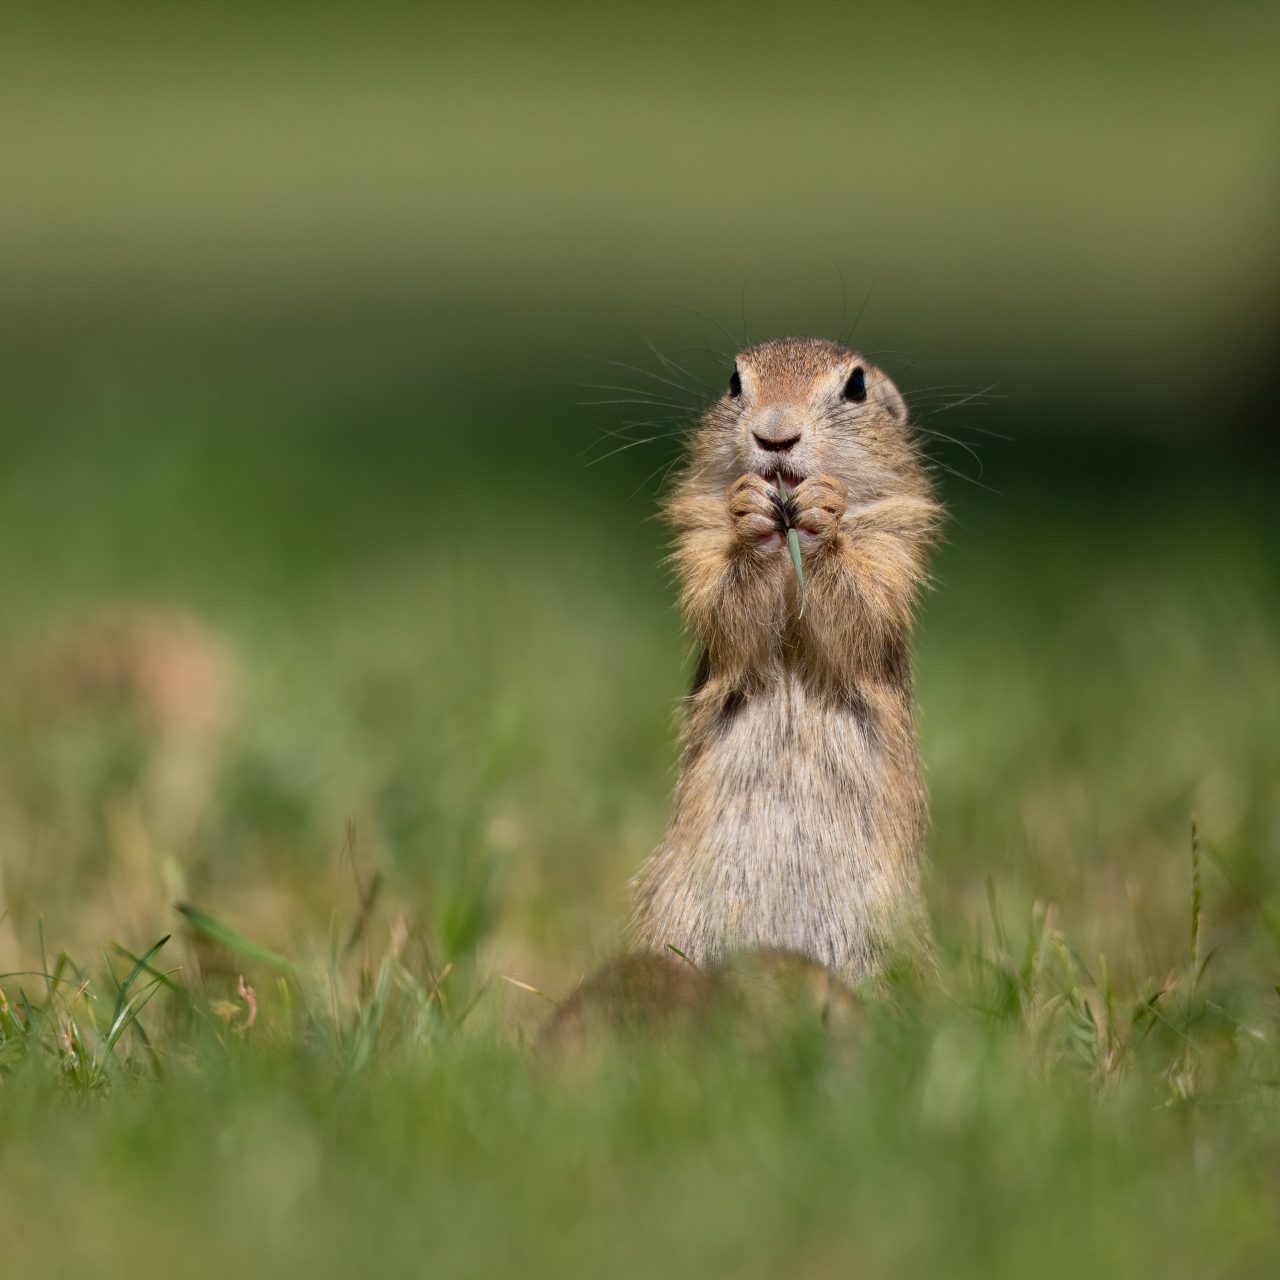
(821, 502)
(753, 512)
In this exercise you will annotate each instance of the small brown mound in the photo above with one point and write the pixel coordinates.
(756, 996)
(770, 990)
(642, 993)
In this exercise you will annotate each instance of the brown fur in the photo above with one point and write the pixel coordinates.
(800, 811)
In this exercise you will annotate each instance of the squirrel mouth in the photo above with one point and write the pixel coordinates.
(785, 508)
(789, 478)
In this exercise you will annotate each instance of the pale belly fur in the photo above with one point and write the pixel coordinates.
(797, 825)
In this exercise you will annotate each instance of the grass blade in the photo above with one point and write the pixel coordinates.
(229, 937)
(793, 542)
(139, 965)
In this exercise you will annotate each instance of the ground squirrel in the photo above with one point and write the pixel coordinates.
(800, 811)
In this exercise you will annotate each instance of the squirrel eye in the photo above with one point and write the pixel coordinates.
(735, 384)
(856, 387)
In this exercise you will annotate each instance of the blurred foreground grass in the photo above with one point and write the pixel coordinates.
(407, 722)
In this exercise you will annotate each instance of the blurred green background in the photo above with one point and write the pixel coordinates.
(300, 309)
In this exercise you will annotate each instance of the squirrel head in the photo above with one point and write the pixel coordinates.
(804, 406)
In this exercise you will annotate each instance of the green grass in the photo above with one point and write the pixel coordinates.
(291, 319)
(451, 742)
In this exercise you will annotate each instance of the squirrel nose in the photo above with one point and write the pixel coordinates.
(776, 446)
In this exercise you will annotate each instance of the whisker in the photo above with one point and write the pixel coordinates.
(622, 448)
(680, 306)
(709, 354)
(984, 394)
(914, 358)
(969, 426)
(655, 430)
(661, 397)
(847, 338)
(699, 387)
(644, 373)
(844, 292)
(959, 387)
(652, 404)
(936, 464)
(971, 450)
(625, 433)
(665, 469)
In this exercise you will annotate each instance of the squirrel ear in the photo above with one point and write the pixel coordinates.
(888, 397)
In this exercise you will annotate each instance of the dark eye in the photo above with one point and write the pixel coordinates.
(735, 384)
(855, 388)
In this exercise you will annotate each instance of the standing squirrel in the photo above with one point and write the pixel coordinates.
(791, 865)
(800, 811)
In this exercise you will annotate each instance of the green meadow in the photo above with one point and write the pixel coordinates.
(448, 740)
(340, 667)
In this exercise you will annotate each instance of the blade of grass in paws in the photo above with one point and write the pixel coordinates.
(793, 542)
